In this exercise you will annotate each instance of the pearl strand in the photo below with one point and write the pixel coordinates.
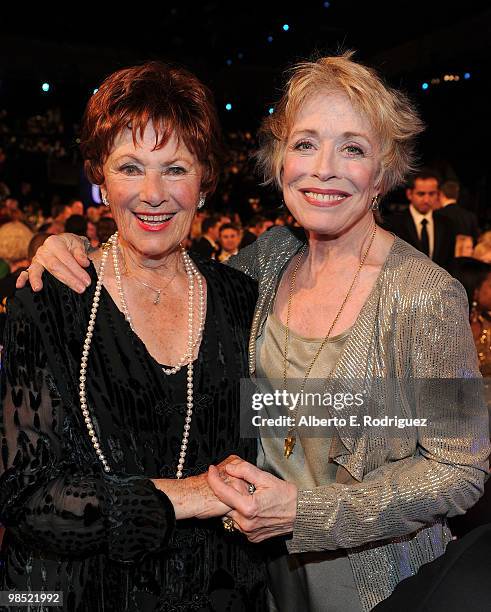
(192, 272)
(83, 365)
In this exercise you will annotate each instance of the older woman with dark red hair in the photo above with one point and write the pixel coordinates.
(116, 401)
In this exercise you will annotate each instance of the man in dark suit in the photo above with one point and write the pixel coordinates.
(464, 221)
(431, 234)
(208, 245)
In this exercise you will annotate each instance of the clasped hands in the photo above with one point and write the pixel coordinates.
(268, 512)
(225, 491)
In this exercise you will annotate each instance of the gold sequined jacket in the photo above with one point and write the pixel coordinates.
(388, 505)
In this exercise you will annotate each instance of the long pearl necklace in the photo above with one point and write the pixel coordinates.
(192, 273)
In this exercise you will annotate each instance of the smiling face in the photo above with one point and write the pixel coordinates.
(153, 193)
(330, 165)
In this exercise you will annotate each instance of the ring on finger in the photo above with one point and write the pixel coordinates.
(228, 523)
(251, 488)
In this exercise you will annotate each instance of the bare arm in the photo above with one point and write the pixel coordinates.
(65, 257)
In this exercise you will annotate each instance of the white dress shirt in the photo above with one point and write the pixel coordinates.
(430, 226)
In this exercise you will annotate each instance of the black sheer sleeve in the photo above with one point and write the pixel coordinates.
(49, 498)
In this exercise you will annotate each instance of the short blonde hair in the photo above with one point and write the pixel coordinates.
(14, 241)
(390, 113)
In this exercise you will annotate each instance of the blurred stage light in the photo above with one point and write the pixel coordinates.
(326, 4)
(286, 27)
(229, 62)
(467, 75)
(228, 106)
(424, 86)
(95, 90)
(45, 87)
(96, 194)
(271, 110)
(270, 39)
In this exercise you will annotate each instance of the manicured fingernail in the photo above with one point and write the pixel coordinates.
(79, 288)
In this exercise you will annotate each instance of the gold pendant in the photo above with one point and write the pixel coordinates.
(289, 445)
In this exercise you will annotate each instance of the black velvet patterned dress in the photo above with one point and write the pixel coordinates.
(110, 541)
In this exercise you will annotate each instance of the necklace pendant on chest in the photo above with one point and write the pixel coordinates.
(289, 445)
(157, 299)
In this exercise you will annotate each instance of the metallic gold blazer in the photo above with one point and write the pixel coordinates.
(388, 505)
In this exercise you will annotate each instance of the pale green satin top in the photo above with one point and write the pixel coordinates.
(308, 466)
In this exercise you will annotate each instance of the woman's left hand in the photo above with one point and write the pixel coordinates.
(270, 511)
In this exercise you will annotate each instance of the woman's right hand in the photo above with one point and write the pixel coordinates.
(64, 257)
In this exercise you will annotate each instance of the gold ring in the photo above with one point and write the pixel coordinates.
(228, 523)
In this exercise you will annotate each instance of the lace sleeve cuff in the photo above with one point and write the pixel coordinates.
(140, 518)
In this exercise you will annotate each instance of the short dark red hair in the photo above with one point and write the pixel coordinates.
(170, 97)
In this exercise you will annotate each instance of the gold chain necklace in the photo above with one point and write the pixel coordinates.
(156, 290)
(291, 438)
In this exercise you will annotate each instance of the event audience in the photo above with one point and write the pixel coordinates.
(475, 276)
(14, 242)
(432, 234)
(207, 245)
(76, 224)
(18, 245)
(229, 240)
(464, 221)
(257, 226)
(482, 250)
(105, 229)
